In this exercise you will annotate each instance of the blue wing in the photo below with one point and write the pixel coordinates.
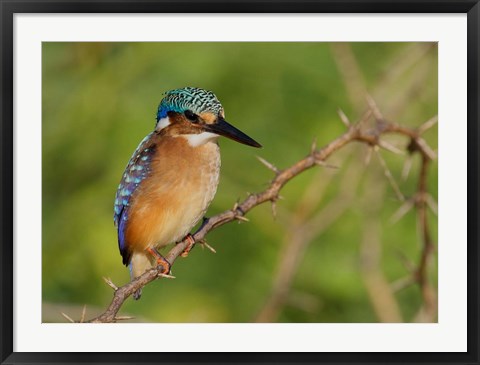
(136, 171)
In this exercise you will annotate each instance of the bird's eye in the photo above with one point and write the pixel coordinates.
(191, 116)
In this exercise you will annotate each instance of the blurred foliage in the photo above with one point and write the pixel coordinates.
(100, 100)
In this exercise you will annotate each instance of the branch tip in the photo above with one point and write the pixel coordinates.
(344, 118)
(425, 148)
(407, 263)
(67, 317)
(402, 210)
(390, 147)
(242, 218)
(373, 107)
(324, 164)
(166, 276)
(402, 283)
(109, 282)
(389, 175)
(274, 208)
(204, 245)
(268, 165)
(123, 318)
(364, 118)
(432, 204)
(428, 124)
(368, 156)
(406, 168)
(313, 148)
(84, 311)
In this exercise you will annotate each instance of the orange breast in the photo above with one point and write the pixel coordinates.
(181, 185)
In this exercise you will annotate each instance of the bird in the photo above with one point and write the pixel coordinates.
(171, 178)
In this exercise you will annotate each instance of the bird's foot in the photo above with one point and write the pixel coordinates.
(190, 242)
(137, 295)
(161, 261)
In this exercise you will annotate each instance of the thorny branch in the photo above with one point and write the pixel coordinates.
(304, 224)
(358, 132)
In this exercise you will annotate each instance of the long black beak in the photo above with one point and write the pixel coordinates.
(225, 129)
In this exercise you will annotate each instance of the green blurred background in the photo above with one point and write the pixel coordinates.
(331, 254)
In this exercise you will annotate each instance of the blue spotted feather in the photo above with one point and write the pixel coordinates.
(136, 171)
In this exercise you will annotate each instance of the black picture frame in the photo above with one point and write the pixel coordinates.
(9, 8)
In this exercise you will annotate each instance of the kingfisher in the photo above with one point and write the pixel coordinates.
(171, 178)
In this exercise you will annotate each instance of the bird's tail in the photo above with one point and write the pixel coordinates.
(139, 263)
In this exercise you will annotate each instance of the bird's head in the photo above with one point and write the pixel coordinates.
(198, 115)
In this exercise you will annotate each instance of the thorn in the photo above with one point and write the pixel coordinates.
(268, 165)
(364, 118)
(123, 318)
(280, 197)
(205, 244)
(402, 283)
(426, 149)
(428, 124)
(324, 164)
(374, 108)
(313, 148)
(390, 147)
(235, 206)
(84, 312)
(368, 156)
(110, 283)
(407, 167)
(274, 209)
(409, 265)
(242, 218)
(432, 204)
(67, 317)
(343, 118)
(389, 176)
(166, 276)
(402, 210)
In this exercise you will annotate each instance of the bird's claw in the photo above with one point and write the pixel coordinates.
(190, 242)
(161, 261)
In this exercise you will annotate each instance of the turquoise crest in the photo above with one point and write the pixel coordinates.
(189, 98)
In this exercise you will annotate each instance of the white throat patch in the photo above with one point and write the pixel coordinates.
(162, 123)
(195, 140)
